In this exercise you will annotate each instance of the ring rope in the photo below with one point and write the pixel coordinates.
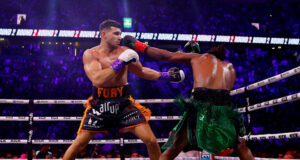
(14, 101)
(270, 103)
(273, 102)
(143, 101)
(26, 118)
(49, 101)
(264, 82)
(288, 135)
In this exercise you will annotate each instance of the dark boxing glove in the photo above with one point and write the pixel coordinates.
(191, 47)
(132, 43)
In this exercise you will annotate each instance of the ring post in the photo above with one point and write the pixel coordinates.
(30, 130)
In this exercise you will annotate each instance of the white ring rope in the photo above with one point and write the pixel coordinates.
(273, 102)
(264, 82)
(14, 101)
(63, 101)
(70, 141)
(254, 107)
(274, 136)
(287, 135)
(49, 101)
(26, 118)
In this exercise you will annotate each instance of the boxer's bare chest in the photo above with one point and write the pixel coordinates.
(106, 59)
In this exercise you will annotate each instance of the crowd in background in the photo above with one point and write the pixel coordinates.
(275, 18)
(30, 70)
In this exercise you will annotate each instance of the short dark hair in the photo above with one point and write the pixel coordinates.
(109, 23)
(219, 51)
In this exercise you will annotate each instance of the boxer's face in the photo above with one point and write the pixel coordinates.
(113, 36)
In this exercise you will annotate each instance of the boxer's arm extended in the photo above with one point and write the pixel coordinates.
(176, 57)
(174, 74)
(160, 54)
(143, 72)
(94, 71)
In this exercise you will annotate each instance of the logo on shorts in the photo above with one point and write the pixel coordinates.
(106, 107)
(96, 112)
(131, 117)
(92, 124)
(110, 92)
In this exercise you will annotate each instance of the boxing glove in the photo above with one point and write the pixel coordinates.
(132, 43)
(128, 56)
(191, 47)
(174, 75)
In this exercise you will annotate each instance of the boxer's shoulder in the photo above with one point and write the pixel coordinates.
(201, 58)
(90, 51)
(122, 48)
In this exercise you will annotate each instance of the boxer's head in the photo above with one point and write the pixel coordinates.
(110, 32)
(218, 51)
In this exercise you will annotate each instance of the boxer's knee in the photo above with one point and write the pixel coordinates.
(150, 141)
